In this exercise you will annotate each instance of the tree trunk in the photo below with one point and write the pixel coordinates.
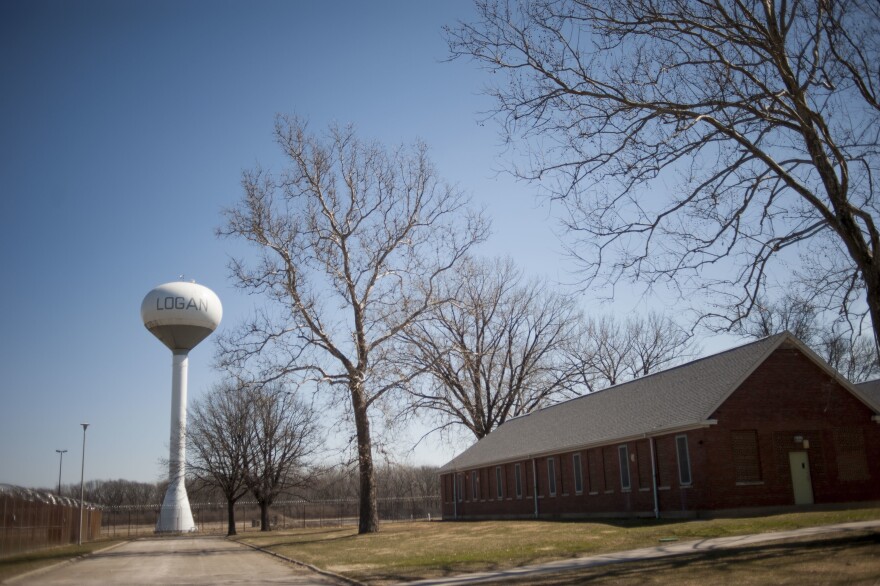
(230, 517)
(872, 295)
(368, 509)
(264, 516)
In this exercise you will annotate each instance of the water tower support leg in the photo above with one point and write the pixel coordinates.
(176, 515)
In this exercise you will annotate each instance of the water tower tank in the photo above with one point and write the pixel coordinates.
(181, 314)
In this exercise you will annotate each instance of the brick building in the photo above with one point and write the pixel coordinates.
(767, 424)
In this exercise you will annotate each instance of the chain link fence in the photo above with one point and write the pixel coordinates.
(33, 520)
(134, 520)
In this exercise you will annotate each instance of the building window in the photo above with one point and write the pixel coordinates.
(460, 483)
(746, 462)
(684, 460)
(517, 474)
(578, 474)
(551, 476)
(623, 457)
(475, 481)
(499, 487)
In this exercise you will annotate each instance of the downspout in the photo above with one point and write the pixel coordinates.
(535, 486)
(654, 478)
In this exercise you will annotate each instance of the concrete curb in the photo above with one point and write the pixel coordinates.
(647, 553)
(315, 569)
(39, 571)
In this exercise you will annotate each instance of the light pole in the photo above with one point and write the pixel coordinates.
(82, 475)
(60, 460)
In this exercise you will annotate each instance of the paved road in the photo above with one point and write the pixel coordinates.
(199, 560)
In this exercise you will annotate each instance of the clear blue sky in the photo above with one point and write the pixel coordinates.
(125, 128)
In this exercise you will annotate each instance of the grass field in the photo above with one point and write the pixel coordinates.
(407, 551)
(841, 560)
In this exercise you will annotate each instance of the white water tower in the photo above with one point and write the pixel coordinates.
(181, 315)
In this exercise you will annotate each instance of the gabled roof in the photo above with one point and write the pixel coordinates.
(681, 398)
(871, 390)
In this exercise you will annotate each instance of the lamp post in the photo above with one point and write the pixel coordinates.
(60, 460)
(82, 474)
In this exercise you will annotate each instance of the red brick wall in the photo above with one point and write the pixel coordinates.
(786, 396)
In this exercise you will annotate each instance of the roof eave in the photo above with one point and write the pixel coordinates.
(577, 447)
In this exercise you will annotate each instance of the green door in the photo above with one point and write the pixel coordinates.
(800, 478)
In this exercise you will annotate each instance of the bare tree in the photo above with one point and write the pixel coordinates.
(610, 352)
(282, 437)
(850, 353)
(791, 313)
(604, 353)
(853, 356)
(656, 342)
(682, 134)
(352, 238)
(119, 492)
(494, 352)
(218, 437)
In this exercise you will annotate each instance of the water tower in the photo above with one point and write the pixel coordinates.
(181, 315)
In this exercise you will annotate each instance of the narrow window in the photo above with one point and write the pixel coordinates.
(684, 461)
(551, 476)
(517, 473)
(460, 483)
(475, 485)
(623, 456)
(499, 487)
(578, 474)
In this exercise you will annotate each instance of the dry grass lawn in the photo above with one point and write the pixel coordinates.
(407, 551)
(834, 561)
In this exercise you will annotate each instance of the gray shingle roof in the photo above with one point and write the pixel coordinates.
(871, 390)
(679, 398)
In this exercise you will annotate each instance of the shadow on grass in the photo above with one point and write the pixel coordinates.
(789, 562)
(20, 563)
(299, 538)
(41, 556)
